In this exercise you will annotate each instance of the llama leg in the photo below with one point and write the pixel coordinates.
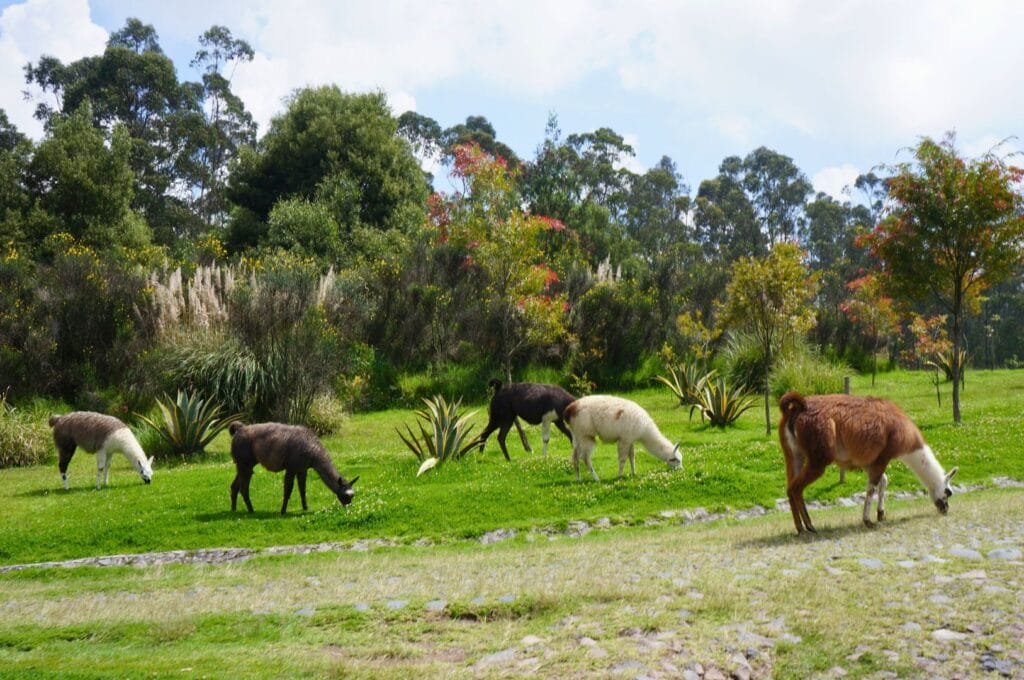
(560, 424)
(797, 506)
(576, 459)
(545, 434)
(101, 463)
(235, 486)
(289, 484)
(65, 452)
(522, 435)
(491, 427)
(883, 484)
(588, 448)
(301, 475)
(502, 433)
(868, 497)
(632, 459)
(245, 476)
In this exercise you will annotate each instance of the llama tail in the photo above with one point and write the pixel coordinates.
(494, 383)
(792, 405)
(235, 427)
(53, 420)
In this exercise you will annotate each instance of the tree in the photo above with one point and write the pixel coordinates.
(870, 309)
(15, 152)
(770, 298)
(954, 228)
(229, 125)
(84, 185)
(477, 130)
(135, 84)
(777, 190)
(327, 137)
(503, 243)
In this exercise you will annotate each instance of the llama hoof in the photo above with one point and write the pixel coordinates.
(869, 524)
(881, 515)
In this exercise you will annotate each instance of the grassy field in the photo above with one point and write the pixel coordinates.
(188, 505)
(643, 595)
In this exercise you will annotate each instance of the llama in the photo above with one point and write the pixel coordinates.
(533, 402)
(100, 434)
(277, 447)
(854, 433)
(615, 419)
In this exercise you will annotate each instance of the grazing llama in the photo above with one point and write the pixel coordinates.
(100, 434)
(278, 447)
(614, 419)
(854, 433)
(533, 402)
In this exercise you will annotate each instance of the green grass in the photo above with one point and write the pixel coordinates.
(187, 506)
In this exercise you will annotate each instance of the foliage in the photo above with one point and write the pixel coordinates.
(445, 435)
(770, 298)
(804, 370)
(24, 437)
(687, 383)
(955, 228)
(189, 422)
(721, 404)
(873, 312)
(327, 415)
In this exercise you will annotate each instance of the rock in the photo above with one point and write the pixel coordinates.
(596, 652)
(1004, 554)
(362, 607)
(505, 656)
(965, 553)
(397, 604)
(305, 611)
(436, 605)
(531, 640)
(946, 635)
(977, 574)
(628, 666)
(910, 626)
(508, 598)
(690, 675)
(497, 535)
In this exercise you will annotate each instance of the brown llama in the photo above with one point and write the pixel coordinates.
(278, 447)
(863, 433)
(100, 434)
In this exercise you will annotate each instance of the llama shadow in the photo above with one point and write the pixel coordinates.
(226, 515)
(40, 493)
(825, 533)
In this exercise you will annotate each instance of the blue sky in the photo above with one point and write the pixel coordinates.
(839, 86)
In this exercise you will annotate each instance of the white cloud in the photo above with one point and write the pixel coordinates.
(834, 181)
(60, 28)
(734, 128)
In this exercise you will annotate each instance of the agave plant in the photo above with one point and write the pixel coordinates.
(443, 433)
(687, 383)
(720, 404)
(190, 422)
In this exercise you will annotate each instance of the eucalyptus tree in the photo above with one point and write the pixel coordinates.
(777, 189)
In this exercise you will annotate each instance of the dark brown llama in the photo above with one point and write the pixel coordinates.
(278, 447)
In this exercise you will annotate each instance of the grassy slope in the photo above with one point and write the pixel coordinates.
(187, 505)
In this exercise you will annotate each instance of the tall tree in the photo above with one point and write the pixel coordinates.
(15, 151)
(777, 190)
(477, 130)
(955, 226)
(229, 125)
(327, 142)
(135, 84)
(770, 298)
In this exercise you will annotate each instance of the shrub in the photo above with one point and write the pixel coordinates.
(443, 433)
(721, 404)
(24, 436)
(326, 415)
(744, 359)
(189, 423)
(687, 382)
(805, 371)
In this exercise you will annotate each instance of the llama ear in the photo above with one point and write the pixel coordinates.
(151, 460)
(354, 480)
(951, 474)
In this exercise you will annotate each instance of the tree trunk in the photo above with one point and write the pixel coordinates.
(767, 390)
(955, 362)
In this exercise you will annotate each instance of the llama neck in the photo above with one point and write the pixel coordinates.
(924, 464)
(659, 445)
(129, 447)
(325, 468)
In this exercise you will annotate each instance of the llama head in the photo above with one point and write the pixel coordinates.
(345, 491)
(676, 460)
(144, 466)
(941, 495)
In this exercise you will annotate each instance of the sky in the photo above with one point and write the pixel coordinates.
(841, 86)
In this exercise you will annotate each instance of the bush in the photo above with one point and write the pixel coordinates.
(721, 404)
(744, 360)
(326, 415)
(189, 423)
(805, 371)
(443, 433)
(24, 436)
